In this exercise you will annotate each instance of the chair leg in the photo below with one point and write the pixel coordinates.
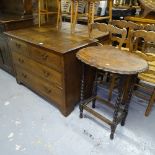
(151, 102)
(46, 10)
(75, 15)
(112, 85)
(72, 15)
(59, 16)
(39, 14)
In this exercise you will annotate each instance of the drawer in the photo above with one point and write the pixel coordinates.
(47, 58)
(40, 86)
(19, 46)
(39, 70)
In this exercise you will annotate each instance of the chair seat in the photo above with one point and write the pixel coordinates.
(148, 77)
(147, 56)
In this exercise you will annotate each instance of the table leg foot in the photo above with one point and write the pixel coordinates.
(81, 111)
(111, 136)
(93, 104)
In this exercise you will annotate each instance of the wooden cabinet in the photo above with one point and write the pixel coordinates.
(5, 55)
(18, 7)
(13, 15)
(45, 61)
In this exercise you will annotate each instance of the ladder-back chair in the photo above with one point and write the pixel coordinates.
(147, 78)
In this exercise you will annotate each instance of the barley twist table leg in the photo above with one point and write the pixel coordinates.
(82, 91)
(94, 90)
(130, 90)
(117, 106)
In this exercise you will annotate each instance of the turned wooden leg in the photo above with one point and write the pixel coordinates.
(72, 15)
(59, 15)
(150, 104)
(94, 90)
(112, 85)
(131, 81)
(117, 107)
(82, 91)
(75, 15)
(91, 8)
(39, 13)
(46, 6)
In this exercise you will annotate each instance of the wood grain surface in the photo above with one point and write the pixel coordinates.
(111, 59)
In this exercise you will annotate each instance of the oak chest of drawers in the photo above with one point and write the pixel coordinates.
(45, 61)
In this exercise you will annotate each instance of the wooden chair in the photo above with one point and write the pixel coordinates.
(149, 27)
(129, 26)
(91, 11)
(115, 35)
(148, 6)
(148, 76)
(43, 10)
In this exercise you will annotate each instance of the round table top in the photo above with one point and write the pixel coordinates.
(111, 59)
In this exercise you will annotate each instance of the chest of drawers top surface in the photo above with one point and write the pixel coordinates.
(49, 37)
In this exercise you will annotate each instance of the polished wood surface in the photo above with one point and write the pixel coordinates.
(112, 60)
(45, 61)
(49, 37)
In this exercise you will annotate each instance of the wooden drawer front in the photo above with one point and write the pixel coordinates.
(38, 69)
(45, 57)
(44, 89)
(19, 46)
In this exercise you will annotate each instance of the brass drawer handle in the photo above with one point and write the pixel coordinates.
(44, 56)
(46, 74)
(24, 75)
(21, 60)
(18, 45)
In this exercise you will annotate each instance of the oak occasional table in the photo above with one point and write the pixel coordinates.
(109, 59)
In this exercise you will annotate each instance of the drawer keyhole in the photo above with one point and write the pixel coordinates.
(44, 56)
(48, 90)
(24, 75)
(46, 74)
(18, 45)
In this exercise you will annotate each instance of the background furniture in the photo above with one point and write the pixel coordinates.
(45, 61)
(43, 9)
(147, 77)
(11, 19)
(91, 10)
(129, 26)
(148, 6)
